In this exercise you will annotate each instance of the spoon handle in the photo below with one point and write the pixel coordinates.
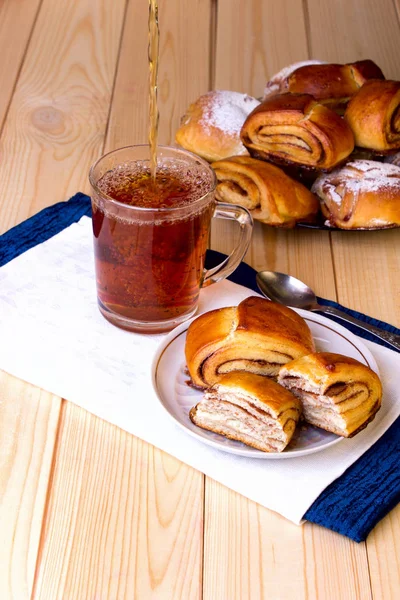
(390, 338)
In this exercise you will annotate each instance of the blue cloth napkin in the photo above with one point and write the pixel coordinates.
(355, 502)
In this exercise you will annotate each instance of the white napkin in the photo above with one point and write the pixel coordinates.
(54, 337)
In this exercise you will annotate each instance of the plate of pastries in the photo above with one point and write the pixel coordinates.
(264, 381)
(320, 149)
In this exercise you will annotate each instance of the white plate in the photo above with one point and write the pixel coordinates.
(170, 380)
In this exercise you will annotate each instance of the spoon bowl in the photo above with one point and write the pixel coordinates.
(286, 290)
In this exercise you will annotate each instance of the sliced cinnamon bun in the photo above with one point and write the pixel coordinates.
(338, 393)
(251, 409)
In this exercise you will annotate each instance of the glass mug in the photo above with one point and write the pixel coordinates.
(149, 256)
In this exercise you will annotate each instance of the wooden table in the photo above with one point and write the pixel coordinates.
(89, 511)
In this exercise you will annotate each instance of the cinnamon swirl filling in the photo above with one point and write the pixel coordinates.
(296, 129)
(342, 399)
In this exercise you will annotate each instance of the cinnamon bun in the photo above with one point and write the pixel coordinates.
(374, 116)
(270, 195)
(211, 125)
(364, 194)
(330, 84)
(296, 129)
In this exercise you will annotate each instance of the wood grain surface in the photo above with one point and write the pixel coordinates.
(255, 40)
(88, 510)
(383, 546)
(28, 431)
(124, 520)
(58, 114)
(349, 30)
(14, 17)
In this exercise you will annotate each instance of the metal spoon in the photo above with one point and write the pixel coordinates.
(290, 291)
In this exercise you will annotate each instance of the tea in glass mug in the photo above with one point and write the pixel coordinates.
(151, 236)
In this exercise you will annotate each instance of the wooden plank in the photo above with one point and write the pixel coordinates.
(150, 545)
(28, 428)
(255, 40)
(57, 118)
(56, 123)
(335, 566)
(16, 22)
(383, 545)
(349, 30)
(124, 519)
(183, 71)
(262, 555)
(304, 254)
(23, 494)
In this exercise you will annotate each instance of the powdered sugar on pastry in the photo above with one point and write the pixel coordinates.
(274, 84)
(373, 168)
(211, 125)
(227, 110)
(358, 176)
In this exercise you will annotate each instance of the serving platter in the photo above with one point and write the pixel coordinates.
(320, 225)
(172, 385)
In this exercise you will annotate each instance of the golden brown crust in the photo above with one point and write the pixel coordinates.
(277, 83)
(296, 129)
(326, 368)
(363, 194)
(271, 196)
(263, 317)
(369, 420)
(206, 335)
(256, 336)
(374, 115)
(331, 84)
(339, 393)
(211, 125)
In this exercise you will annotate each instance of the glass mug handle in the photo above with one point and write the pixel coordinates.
(245, 220)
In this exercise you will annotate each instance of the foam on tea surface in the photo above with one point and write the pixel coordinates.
(175, 185)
